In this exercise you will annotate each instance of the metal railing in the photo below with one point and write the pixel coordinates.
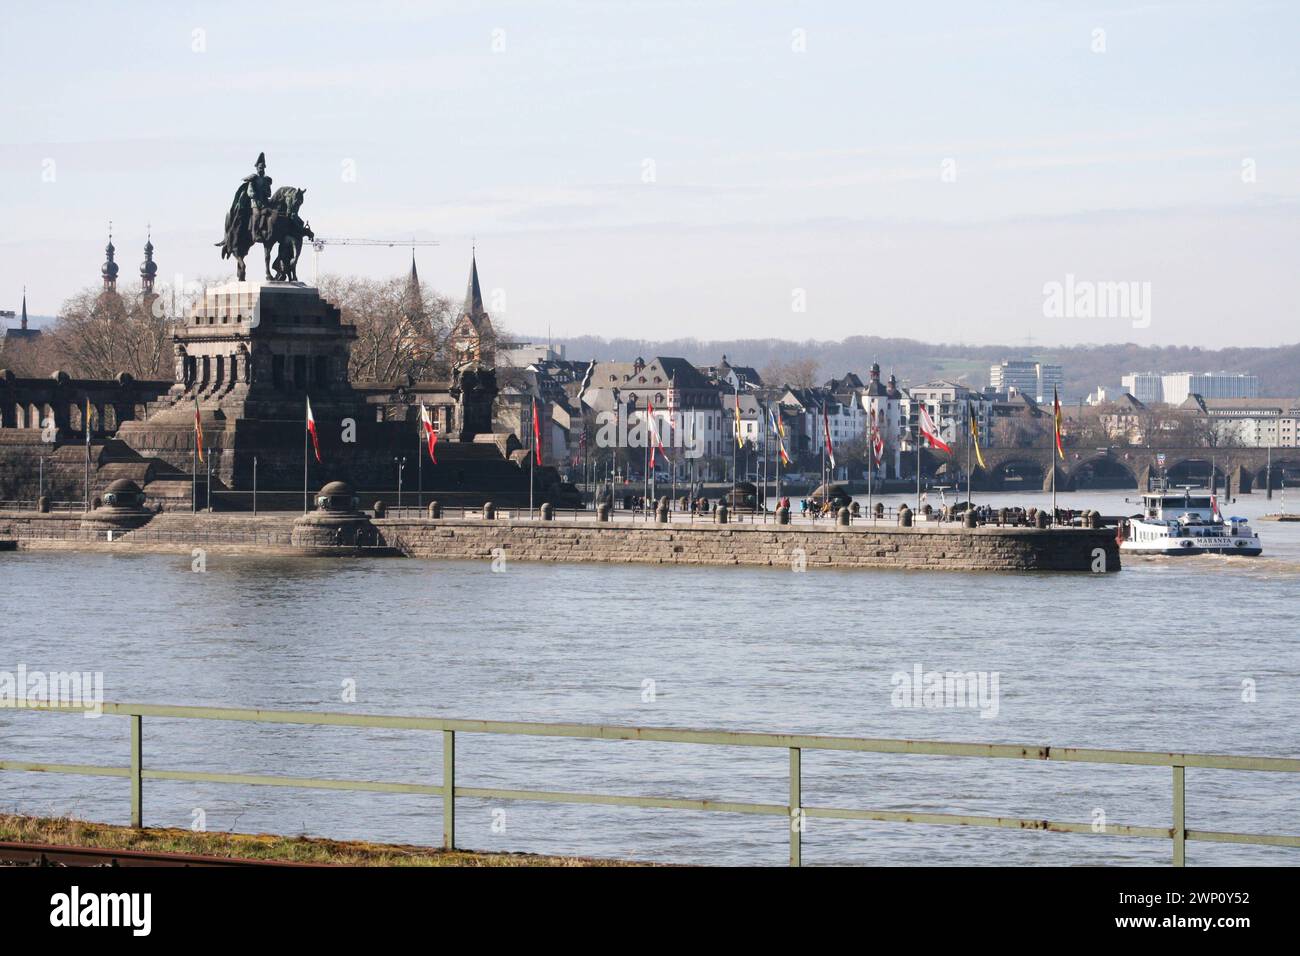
(32, 504)
(794, 810)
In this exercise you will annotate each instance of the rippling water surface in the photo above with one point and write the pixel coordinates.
(1152, 658)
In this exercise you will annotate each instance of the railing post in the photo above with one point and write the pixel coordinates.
(449, 789)
(796, 808)
(137, 760)
(1180, 817)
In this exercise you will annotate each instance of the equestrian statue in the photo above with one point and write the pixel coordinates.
(257, 215)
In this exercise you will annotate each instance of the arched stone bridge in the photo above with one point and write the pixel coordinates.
(1132, 467)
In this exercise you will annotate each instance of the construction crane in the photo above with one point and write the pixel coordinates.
(318, 246)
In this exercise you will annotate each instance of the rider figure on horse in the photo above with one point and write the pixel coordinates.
(258, 216)
(258, 190)
(249, 210)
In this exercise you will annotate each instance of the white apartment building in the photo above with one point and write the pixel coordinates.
(1252, 422)
(1173, 388)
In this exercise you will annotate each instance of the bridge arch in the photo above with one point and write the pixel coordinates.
(1101, 471)
(1286, 473)
(1017, 474)
(1194, 471)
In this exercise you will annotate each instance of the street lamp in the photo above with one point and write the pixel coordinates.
(401, 464)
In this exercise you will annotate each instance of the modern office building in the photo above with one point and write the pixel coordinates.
(1173, 388)
(1035, 379)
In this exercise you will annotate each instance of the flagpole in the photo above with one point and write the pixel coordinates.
(762, 467)
(918, 462)
(304, 465)
(823, 469)
(779, 446)
(735, 444)
(86, 425)
(871, 469)
(532, 454)
(970, 415)
(194, 475)
(419, 469)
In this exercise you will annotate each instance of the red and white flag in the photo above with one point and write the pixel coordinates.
(877, 443)
(430, 435)
(537, 436)
(311, 427)
(826, 430)
(652, 436)
(930, 432)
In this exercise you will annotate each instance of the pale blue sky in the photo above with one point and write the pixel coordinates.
(775, 169)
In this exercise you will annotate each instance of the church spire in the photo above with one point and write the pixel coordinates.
(473, 306)
(24, 325)
(413, 299)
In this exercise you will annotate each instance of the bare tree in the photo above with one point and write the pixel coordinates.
(99, 334)
(398, 336)
(801, 373)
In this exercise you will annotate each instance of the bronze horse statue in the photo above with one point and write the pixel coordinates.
(278, 226)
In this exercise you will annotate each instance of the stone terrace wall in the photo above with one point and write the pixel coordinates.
(13, 523)
(984, 549)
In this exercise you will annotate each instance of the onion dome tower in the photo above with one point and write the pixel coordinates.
(148, 268)
(108, 271)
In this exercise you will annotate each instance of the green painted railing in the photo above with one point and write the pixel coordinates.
(795, 811)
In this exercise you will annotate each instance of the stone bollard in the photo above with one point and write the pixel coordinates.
(927, 510)
(435, 510)
(783, 515)
(548, 512)
(380, 508)
(842, 519)
(43, 504)
(905, 516)
(968, 519)
(1002, 516)
(721, 513)
(661, 514)
(602, 511)
(1040, 519)
(855, 509)
(880, 509)
(489, 511)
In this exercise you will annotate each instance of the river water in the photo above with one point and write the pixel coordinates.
(1155, 657)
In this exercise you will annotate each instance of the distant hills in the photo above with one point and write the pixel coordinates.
(1085, 366)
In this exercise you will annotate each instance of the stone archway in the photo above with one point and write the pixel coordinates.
(1286, 473)
(1018, 474)
(1101, 472)
(1193, 471)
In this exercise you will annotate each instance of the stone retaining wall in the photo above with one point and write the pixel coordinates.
(982, 549)
(947, 548)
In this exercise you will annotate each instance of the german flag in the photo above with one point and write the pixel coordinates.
(198, 429)
(1056, 417)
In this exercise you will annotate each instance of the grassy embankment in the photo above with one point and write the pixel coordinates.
(64, 831)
